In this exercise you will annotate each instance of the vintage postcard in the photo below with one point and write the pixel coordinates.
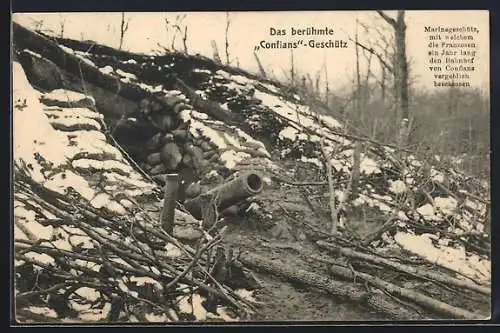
(251, 166)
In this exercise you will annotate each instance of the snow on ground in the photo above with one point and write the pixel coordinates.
(64, 95)
(453, 258)
(107, 70)
(428, 212)
(130, 61)
(125, 75)
(397, 186)
(234, 144)
(447, 206)
(45, 149)
(368, 165)
(193, 305)
(55, 158)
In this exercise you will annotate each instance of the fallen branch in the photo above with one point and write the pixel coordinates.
(421, 273)
(389, 224)
(418, 298)
(379, 302)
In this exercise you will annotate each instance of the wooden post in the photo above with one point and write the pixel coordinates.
(169, 200)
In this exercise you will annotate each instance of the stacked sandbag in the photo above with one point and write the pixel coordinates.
(188, 139)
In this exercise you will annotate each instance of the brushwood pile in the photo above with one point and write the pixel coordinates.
(93, 145)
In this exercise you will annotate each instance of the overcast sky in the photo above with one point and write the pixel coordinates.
(247, 29)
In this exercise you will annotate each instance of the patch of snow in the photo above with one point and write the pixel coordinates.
(94, 315)
(194, 307)
(107, 165)
(437, 176)
(447, 206)
(242, 80)
(397, 186)
(144, 86)
(341, 196)
(28, 219)
(115, 207)
(37, 55)
(230, 158)
(185, 115)
(271, 87)
(74, 121)
(402, 216)
(368, 165)
(172, 251)
(43, 311)
(87, 264)
(198, 115)
(100, 200)
(208, 132)
(289, 133)
(427, 212)
(140, 281)
(455, 259)
(339, 165)
(69, 96)
(127, 203)
(130, 61)
(43, 258)
(126, 75)
(475, 205)
(84, 242)
(223, 74)
(61, 181)
(254, 207)
(312, 160)
(89, 293)
(57, 112)
(200, 70)
(330, 121)
(153, 318)
(232, 141)
(107, 70)
(83, 57)
(66, 49)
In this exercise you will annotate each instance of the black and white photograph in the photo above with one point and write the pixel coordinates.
(260, 166)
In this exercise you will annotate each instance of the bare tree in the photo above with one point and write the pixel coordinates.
(400, 73)
(228, 23)
(259, 63)
(327, 86)
(180, 29)
(62, 23)
(391, 54)
(215, 52)
(123, 29)
(37, 24)
(167, 28)
(356, 163)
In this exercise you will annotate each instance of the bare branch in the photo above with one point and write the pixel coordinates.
(387, 18)
(372, 51)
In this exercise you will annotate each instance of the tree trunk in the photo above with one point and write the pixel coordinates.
(379, 302)
(402, 77)
(400, 74)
